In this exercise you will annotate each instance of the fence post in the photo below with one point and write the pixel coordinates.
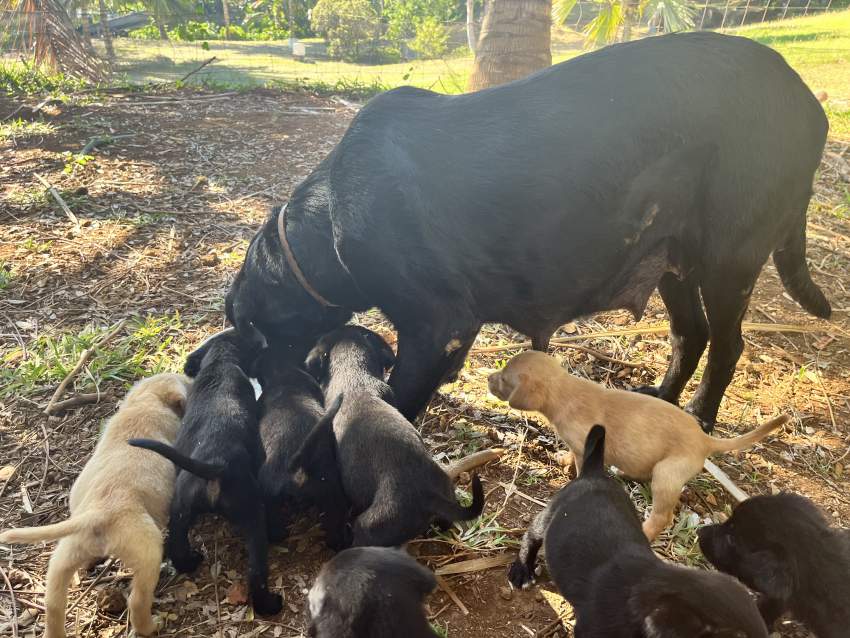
(726, 11)
(746, 9)
(766, 7)
(704, 11)
(785, 10)
(806, 11)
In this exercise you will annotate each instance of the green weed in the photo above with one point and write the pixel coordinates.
(22, 129)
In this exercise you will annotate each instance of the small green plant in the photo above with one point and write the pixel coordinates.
(22, 129)
(439, 630)
(25, 77)
(483, 534)
(35, 246)
(5, 277)
(72, 161)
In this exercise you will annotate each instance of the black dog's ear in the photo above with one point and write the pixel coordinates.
(386, 353)
(317, 363)
(594, 451)
(193, 363)
(770, 573)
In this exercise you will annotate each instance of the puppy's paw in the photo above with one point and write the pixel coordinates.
(267, 604)
(519, 575)
(188, 563)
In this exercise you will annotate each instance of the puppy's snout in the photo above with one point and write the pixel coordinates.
(495, 383)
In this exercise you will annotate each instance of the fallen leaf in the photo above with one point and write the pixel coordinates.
(237, 594)
(6, 472)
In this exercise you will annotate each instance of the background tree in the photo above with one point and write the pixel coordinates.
(515, 40)
(104, 28)
(615, 18)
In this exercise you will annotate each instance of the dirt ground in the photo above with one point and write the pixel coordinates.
(166, 211)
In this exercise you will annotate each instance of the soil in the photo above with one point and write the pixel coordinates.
(166, 214)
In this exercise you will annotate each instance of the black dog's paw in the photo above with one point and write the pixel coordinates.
(188, 563)
(706, 425)
(519, 575)
(276, 530)
(651, 390)
(339, 540)
(267, 604)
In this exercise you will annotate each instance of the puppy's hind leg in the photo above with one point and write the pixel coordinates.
(141, 551)
(668, 478)
(521, 572)
(250, 516)
(66, 559)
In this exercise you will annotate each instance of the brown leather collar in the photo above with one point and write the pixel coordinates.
(293, 265)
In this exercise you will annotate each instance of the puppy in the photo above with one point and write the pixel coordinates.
(648, 439)
(370, 592)
(604, 567)
(119, 503)
(218, 452)
(290, 407)
(395, 488)
(782, 547)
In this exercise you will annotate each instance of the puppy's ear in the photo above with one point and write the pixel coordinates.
(528, 393)
(176, 400)
(382, 347)
(317, 363)
(594, 452)
(771, 573)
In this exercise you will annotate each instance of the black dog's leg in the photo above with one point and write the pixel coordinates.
(688, 336)
(428, 355)
(334, 523)
(726, 297)
(521, 572)
(252, 523)
(771, 609)
(177, 547)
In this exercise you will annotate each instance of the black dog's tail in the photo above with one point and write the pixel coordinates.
(208, 471)
(790, 260)
(456, 512)
(594, 452)
(321, 433)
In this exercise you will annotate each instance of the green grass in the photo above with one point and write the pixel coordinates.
(818, 47)
(18, 77)
(146, 346)
(21, 129)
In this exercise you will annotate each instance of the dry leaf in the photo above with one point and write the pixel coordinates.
(237, 594)
(6, 472)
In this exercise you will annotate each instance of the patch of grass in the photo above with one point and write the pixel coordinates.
(23, 77)
(483, 535)
(22, 129)
(148, 346)
(5, 277)
(439, 630)
(34, 246)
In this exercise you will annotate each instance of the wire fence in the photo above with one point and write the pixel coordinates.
(175, 46)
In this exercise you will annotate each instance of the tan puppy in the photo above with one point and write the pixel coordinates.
(646, 438)
(119, 503)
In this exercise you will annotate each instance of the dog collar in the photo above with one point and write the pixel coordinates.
(293, 264)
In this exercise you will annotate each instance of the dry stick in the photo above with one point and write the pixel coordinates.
(746, 326)
(46, 462)
(825, 394)
(191, 73)
(85, 355)
(91, 585)
(73, 402)
(100, 140)
(550, 629)
(737, 493)
(475, 565)
(472, 461)
(457, 601)
(55, 193)
(14, 602)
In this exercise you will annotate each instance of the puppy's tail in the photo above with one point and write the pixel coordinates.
(319, 436)
(594, 452)
(746, 440)
(458, 513)
(28, 535)
(208, 471)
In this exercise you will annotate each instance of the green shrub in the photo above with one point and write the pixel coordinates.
(350, 27)
(147, 32)
(25, 77)
(432, 38)
(193, 30)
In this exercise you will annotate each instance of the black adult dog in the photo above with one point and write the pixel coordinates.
(290, 407)
(395, 488)
(782, 547)
(370, 592)
(680, 162)
(218, 453)
(602, 563)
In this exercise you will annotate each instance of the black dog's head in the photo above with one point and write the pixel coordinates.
(351, 346)
(227, 344)
(763, 541)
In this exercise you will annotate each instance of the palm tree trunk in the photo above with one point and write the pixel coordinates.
(515, 40)
(226, 11)
(104, 25)
(84, 11)
(628, 19)
(160, 24)
(471, 37)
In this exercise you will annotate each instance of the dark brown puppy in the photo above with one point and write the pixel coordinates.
(601, 561)
(290, 407)
(370, 592)
(395, 487)
(782, 547)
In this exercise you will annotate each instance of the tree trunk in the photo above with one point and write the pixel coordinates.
(515, 40)
(471, 37)
(104, 25)
(163, 34)
(628, 19)
(226, 11)
(84, 11)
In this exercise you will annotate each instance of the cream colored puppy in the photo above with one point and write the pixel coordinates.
(119, 503)
(647, 438)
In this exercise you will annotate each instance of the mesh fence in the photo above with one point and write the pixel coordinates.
(170, 47)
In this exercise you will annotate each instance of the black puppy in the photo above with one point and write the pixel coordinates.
(395, 487)
(290, 407)
(370, 592)
(601, 561)
(782, 547)
(218, 453)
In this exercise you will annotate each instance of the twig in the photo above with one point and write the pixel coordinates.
(191, 73)
(475, 565)
(85, 355)
(91, 585)
(825, 394)
(549, 629)
(441, 582)
(46, 461)
(55, 193)
(737, 493)
(73, 402)
(14, 602)
(472, 461)
(100, 140)
(603, 357)
(512, 489)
